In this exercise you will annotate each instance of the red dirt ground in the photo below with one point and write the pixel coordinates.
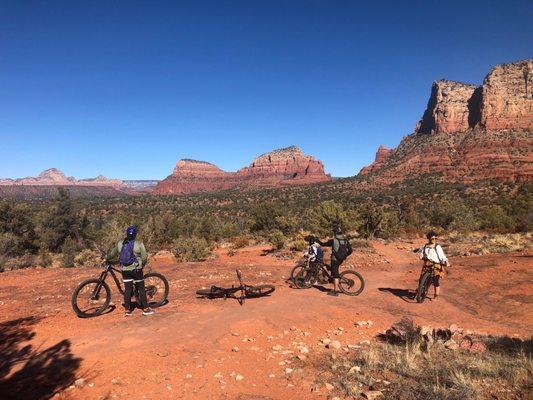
(184, 351)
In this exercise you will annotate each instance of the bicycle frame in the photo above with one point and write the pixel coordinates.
(108, 269)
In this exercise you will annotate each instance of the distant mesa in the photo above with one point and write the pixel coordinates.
(468, 133)
(55, 177)
(287, 166)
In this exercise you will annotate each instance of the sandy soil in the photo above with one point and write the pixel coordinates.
(184, 351)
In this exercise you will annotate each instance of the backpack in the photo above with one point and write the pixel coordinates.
(344, 250)
(127, 256)
(319, 253)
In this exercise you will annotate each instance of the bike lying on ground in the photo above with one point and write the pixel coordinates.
(92, 297)
(424, 283)
(306, 275)
(246, 291)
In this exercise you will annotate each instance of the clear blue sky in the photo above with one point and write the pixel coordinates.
(126, 88)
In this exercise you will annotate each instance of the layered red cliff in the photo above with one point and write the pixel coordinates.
(468, 133)
(288, 166)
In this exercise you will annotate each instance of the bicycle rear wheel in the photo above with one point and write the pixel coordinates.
(90, 298)
(156, 289)
(423, 287)
(351, 283)
(259, 290)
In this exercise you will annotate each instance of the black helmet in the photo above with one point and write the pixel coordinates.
(337, 229)
(431, 234)
(310, 239)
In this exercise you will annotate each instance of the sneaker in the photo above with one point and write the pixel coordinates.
(333, 293)
(148, 311)
(128, 313)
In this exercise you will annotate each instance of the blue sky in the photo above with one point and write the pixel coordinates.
(126, 88)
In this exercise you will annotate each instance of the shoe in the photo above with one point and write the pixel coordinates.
(128, 313)
(148, 311)
(333, 293)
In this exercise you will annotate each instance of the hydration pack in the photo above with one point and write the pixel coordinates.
(343, 250)
(127, 256)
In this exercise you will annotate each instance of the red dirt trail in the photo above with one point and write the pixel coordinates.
(184, 351)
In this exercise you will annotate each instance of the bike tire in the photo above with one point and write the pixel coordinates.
(153, 289)
(259, 290)
(351, 283)
(294, 274)
(85, 285)
(423, 287)
(218, 292)
(303, 280)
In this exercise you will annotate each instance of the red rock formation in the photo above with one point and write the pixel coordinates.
(280, 167)
(283, 166)
(507, 100)
(448, 108)
(55, 177)
(190, 176)
(382, 155)
(467, 133)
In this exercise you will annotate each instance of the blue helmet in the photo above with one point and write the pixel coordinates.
(131, 231)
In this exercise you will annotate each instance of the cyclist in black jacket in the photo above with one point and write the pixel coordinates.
(336, 261)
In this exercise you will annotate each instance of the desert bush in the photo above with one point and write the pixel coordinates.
(437, 373)
(68, 252)
(44, 258)
(504, 243)
(87, 258)
(299, 244)
(321, 217)
(277, 239)
(239, 242)
(496, 219)
(191, 249)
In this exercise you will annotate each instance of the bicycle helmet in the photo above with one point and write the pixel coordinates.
(310, 239)
(337, 229)
(131, 231)
(431, 234)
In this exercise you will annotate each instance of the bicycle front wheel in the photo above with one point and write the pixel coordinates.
(90, 298)
(260, 290)
(351, 283)
(423, 287)
(156, 289)
(304, 279)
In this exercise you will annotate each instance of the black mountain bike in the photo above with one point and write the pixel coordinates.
(91, 297)
(350, 282)
(424, 283)
(246, 291)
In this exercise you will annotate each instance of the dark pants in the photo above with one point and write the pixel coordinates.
(136, 278)
(335, 264)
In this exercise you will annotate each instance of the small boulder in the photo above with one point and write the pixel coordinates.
(372, 394)
(451, 345)
(335, 344)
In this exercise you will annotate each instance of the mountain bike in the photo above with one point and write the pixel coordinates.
(246, 291)
(351, 282)
(92, 296)
(424, 283)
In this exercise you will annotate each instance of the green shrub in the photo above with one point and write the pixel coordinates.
(277, 238)
(191, 249)
(68, 253)
(299, 245)
(87, 258)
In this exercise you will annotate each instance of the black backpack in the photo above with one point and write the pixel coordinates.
(344, 250)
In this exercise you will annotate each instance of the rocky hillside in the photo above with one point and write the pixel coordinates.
(288, 166)
(468, 133)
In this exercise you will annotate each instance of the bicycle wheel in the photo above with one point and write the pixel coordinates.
(216, 292)
(423, 287)
(304, 279)
(259, 290)
(294, 273)
(88, 299)
(351, 283)
(156, 289)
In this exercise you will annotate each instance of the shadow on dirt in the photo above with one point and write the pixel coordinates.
(27, 372)
(406, 295)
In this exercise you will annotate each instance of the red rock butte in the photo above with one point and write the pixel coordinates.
(288, 166)
(468, 133)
